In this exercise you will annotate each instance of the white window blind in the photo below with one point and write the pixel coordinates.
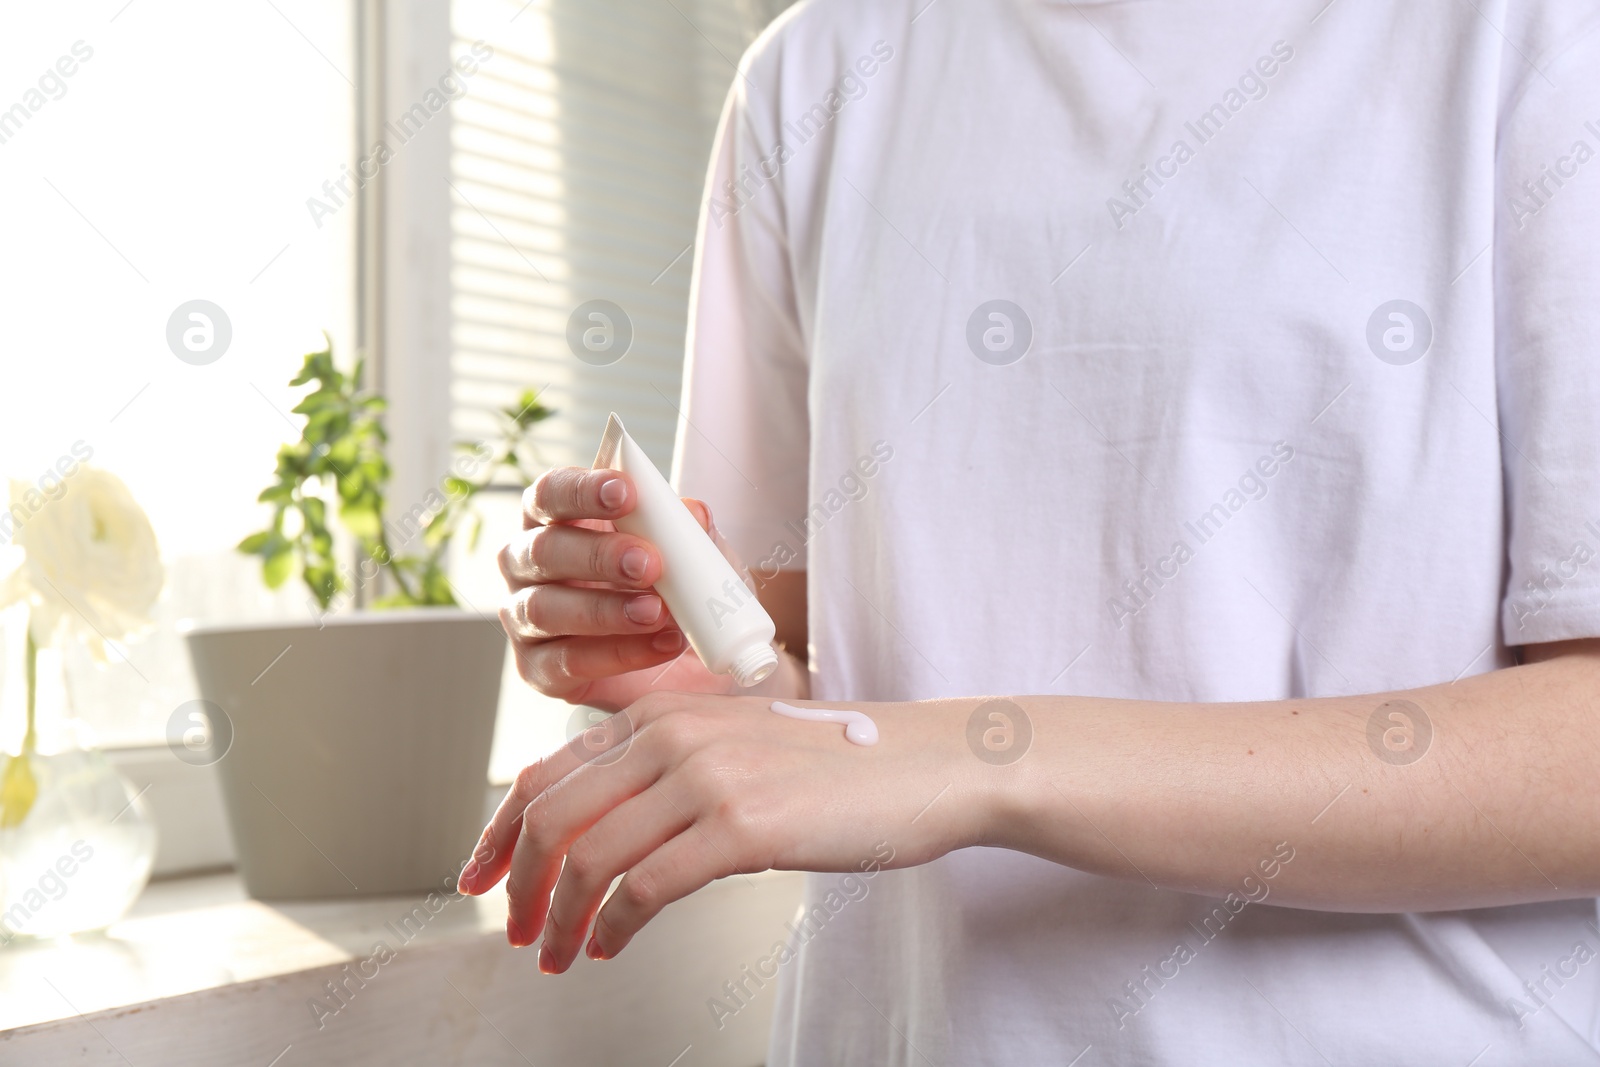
(577, 163)
(578, 160)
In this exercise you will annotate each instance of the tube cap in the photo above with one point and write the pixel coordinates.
(753, 664)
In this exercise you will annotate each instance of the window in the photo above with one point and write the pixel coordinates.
(173, 164)
(196, 152)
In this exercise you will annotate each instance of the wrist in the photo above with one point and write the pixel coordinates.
(1018, 788)
(982, 783)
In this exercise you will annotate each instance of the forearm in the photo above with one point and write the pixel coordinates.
(1500, 808)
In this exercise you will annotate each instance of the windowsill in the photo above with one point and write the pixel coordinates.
(197, 961)
(189, 934)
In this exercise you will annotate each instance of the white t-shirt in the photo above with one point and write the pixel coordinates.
(1295, 391)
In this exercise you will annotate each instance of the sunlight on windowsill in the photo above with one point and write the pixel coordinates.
(202, 932)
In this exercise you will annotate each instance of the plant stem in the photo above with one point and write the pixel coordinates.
(30, 739)
(382, 544)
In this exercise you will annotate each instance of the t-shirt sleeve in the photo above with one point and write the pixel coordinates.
(1547, 284)
(743, 436)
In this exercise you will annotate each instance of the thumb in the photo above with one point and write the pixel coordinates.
(702, 513)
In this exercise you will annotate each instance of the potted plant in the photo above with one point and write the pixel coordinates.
(353, 748)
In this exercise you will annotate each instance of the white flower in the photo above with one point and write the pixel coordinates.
(90, 560)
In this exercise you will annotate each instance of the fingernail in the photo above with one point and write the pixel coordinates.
(592, 950)
(547, 962)
(468, 874)
(634, 561)
(613, 492)
(643, 609)
(514, 934)
(667, 641)
(482, 853)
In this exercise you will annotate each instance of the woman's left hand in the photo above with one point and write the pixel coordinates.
(681, 789)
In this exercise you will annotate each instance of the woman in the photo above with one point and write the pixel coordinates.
(1175, 424)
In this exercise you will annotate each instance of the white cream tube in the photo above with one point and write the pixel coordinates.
(726, 625)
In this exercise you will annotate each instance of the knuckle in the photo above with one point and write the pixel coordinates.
(526, 670)
(533, 664)
(583, 863)
(516, 613)
(715, 793)
(656, 705)
(678, 734)
(537, 833)
(739, 823)
(515, 889)
(557, 493)
(533, 497)
(704, 766)
(525, 786)
(533, 552)
(576, 489)
(531, 609)
(605, 613)
(650, 703)
(601, 563)
(561, 664)
(639, 889)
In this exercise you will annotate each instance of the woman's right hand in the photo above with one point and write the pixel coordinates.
(583, 620)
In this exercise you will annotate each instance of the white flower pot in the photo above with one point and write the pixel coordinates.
(359, 750)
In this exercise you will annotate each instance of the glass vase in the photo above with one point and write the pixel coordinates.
(81, 853)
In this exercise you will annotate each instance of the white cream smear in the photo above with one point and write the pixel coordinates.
(858, 727)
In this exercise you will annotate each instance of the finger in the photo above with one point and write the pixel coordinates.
(542, 612)
(492, 856)
(624, 836)
(700, 510)
(556, 818)
(608, 741)
(573, 553)
(688, 862)
(566, 665)
(568, 493)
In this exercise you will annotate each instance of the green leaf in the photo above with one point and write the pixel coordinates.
(253, 544)
(344, 453)
(319, 401)
(436, 589)
(276, 494)
(361, 519)
(438, 530)
(292, 461)
(323, 583)
(318, 365)
(276, 567)
(351, 485)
